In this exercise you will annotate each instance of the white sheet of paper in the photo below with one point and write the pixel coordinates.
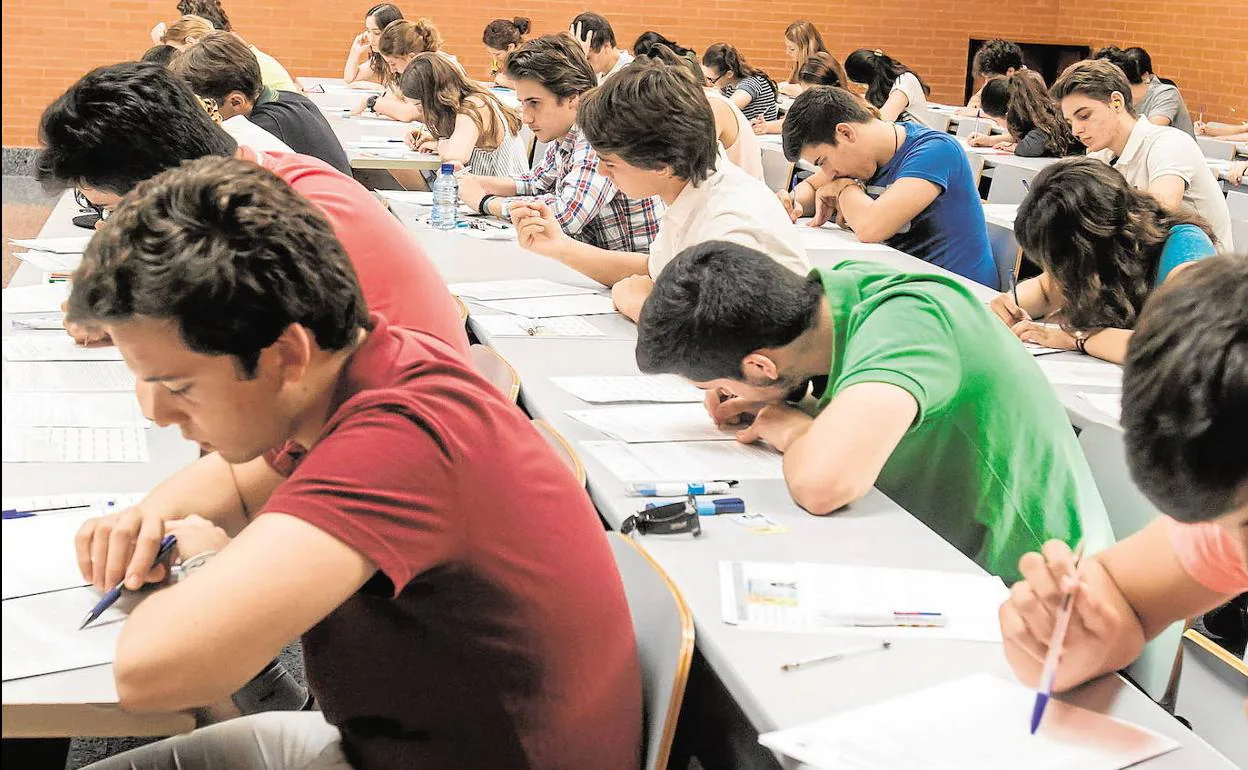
(54, 347)
(655, 423)
(1040, 350)
(74, 445)
(75, 244)
(414, 197)
(638, 388)
(38, 552)
(683, 460)
(115, 500)
(67, 376)
(517, 289)
(1109, 404)
(1103, 374)
(807, 597)
(41, 636)
(553, 307)
(489, 233)
(519, 326)
(979, 722)
(49, 262)
(79, 410)
(54, 321)
(835, 238)
(43, 298)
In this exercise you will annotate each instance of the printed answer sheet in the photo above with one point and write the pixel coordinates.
(684, 460)
(640, 388)
(67, 377)
(655, 423)
(980, 722)
(801, 596)
(74, 445)
(80, 410)
(503, 325)
(41, 636)
(551, 307)
(517, 289)
(54, 347)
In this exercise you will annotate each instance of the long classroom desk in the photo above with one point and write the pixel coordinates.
(84, 702)
(874, 531)
(336, 101)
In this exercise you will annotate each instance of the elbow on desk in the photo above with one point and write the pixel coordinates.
(869, 232)
(146, 683)
(822, 494)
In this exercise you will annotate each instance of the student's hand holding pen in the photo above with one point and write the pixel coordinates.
(726, 408)
(1004, 307)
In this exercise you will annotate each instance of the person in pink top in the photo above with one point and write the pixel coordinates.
(1184, 418)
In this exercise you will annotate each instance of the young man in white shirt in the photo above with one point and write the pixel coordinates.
(597, 39)
(1096, 99)
(654, 131)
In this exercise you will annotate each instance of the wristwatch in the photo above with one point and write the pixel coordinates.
(371, 102)
(195, 562)
(1081, 340)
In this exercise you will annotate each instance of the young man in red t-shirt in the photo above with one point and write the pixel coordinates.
(122, 124)
(457, 601)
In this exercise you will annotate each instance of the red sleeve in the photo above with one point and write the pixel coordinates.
(1211, 555)
(383, 484)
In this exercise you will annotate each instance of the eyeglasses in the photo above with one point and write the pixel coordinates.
(88, 207)
(710, 81)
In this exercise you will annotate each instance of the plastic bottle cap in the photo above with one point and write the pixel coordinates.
(448, 168)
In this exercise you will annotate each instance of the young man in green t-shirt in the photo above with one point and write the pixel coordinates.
(927, 396)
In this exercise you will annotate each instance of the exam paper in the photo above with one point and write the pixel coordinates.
(807, 597)
(75, 244)
(54, 347)
(655, 423)
(74, 445)
(67, 376)
(41, 636)
(832, 237)
(1110, 404)
(641, 388)
(43, 298)
(517, 289)
(117, 500)
(1102, 374)
(551, 307)
(977, 723)
(38, 552)
(414, 197)
(518, 326)
(49, 262)
(1040, 350)
(79, 410)
(684, 460)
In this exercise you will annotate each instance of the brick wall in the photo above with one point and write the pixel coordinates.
(47, 44)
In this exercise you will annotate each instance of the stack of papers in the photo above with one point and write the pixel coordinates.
(656, 423)
(683, 460)
(641, 388)
(519, 326)
(553, 307)
(778, 596)
(517, 289)
(980, 722)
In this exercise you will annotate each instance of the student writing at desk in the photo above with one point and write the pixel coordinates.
(399, 43)
(1104, 248)
(1185, 388)
(122, 124)
(447, 574)
(922, 397)
(1034, 124)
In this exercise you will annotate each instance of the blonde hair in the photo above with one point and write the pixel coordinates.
(805, 36)
(402, 37)
(444, 93)
(186, 30)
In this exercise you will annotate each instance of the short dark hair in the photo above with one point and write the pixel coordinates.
(206, 9)
(1096, 79)
(996, 57)
(716, 303)
(648, 40)
(501, 33)
(1185, 391)
(995, 97)
(601, 34)
(229, 252)
(1142, 60)
(159, 54)
(556, 62)
(816, 113)
(652, 115)
(1129, 66)
(121, 124)
(217, 65)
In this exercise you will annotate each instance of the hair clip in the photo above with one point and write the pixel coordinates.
(878, 52)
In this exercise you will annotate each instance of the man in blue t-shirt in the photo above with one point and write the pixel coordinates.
(898, 183)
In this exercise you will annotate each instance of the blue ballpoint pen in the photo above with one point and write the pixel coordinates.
(1049, 673)
(166, 545)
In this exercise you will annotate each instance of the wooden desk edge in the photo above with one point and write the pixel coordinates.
(1216, 650)
(61, 720)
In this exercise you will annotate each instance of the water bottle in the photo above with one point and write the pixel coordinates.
(445, 199)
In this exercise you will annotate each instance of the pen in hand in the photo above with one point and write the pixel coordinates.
(1048, 674)
(109, 599)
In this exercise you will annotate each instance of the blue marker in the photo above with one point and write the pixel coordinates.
(166, 545)
(712, 507)
(680, 488)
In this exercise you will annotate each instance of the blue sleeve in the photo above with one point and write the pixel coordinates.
(935, 160)
(1187, 243)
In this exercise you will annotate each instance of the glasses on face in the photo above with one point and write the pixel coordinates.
(88, 207)
(712, 81)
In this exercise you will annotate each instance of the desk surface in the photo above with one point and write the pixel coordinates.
(874, 531)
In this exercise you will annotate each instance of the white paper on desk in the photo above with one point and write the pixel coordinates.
(49, 262)
(1037, 349)
(54, 347)
(41, 633)
(503, 325)
(683, 460)
(74, 244)
(78, 410)
(1001, 211)
(655, 423)
(635, 388)
(38, 552)
(74, 445)
(115, 500)
(67, 376)
(1077, 373)
(516, 289)
(1109, 404)
(803, 596)
(414, 197)
(44, 298)
(507, 233)
(553, 307)
(382, 122)
(979, 722)
(831, 236)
